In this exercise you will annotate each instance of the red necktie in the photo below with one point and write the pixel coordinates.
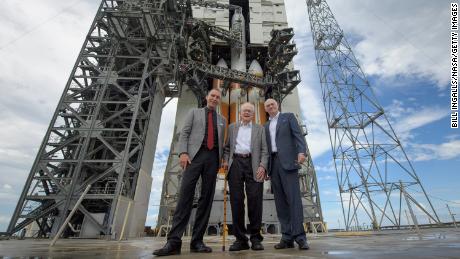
(210, 141)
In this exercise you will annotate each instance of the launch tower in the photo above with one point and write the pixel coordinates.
(137, 55)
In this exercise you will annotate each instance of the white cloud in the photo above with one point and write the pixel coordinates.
(443, 151)
(392, 47)
(392, 43)
(387, 43)
(39, 41)
(420, 118)
(161, 158)
(454, 204)
(151, 220)
(4, 219)
(8, 197)
(405, 119)
(166, 127)
(326, 178)
(332, 214)
(311, 105)
(318, 134)
(329, 192)
(327, 168)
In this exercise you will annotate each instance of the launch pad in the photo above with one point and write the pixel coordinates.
(434, 243)
(140, 54)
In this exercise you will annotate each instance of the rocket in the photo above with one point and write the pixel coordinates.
(238, 62)
(232, 100)
(256, 96)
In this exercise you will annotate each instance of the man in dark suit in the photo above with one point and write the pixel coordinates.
(246, 155)
(200, 150)
(288, 148)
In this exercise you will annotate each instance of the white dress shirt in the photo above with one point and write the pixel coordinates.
(272, 127)
(243, 139)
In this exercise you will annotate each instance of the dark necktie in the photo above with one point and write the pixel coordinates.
(210, 141)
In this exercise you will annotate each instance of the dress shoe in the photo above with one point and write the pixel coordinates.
(303, 245)
(283, 244)
(257, 245)
(168, 249)
(200, 248)
(239, 245)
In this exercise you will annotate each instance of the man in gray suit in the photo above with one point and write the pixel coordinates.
(287, 147)
(247, 156)
(200, 151)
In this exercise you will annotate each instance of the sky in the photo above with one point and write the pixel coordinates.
(402, 46)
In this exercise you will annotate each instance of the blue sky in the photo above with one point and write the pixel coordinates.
(403, 47)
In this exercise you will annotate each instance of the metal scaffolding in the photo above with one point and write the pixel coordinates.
(372, 168)
(98, 134)
(104, 130)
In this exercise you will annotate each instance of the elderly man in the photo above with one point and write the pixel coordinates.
(287, 147)
(200, 149)
(247, 156)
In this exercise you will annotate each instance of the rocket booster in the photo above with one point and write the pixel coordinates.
(238, 62)
(256, 96)
(232, 100)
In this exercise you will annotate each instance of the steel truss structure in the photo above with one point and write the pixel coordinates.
(104, 130)
(98, 133)
(373, 170)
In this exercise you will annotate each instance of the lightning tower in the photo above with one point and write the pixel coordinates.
(375, 177)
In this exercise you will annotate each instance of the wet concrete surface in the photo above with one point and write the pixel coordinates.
(432, 243)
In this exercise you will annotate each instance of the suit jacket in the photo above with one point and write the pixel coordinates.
(192, 133)
(259, 151)
(289, 141)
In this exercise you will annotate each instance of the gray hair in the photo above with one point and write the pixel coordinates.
(248, 104)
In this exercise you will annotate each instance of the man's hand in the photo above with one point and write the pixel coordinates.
(225, 165)
(301, 158)
(260, 173)
(184, 160)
